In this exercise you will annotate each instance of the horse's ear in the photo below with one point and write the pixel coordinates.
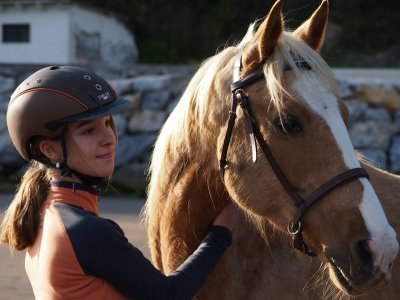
(263, 43)
(313, 30)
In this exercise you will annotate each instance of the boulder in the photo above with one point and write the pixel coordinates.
(147, 121)
(372, 135)
(7, 84)
(131, 148)
(395, 155)
(156, 99)
(377, 157)
(388, 98)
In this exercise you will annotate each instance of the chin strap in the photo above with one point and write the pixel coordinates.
(66, 171)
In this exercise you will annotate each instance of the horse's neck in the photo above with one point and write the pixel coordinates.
(192, 203)
(387, 187)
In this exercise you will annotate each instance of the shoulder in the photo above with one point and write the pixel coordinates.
(84, 226)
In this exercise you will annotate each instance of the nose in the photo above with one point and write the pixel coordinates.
(382, 258)
(108, 137)
(375, 258)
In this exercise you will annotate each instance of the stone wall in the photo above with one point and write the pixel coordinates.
(373, 102)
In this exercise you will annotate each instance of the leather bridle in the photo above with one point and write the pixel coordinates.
(239, 96)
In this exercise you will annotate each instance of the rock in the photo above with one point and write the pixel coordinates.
(8, 154)
(135, 99)
(3, 123)
(345, 90)
(377, 157)
(397, 120)
(4, 99)
(388, 98)
(131, 176)
(156, 99)
(146, 121)
(133, 147)
(154, 82)
(7, 84)
(395, 155)
(121, 123)
(371, 134)
(378, 114)
(122, 86)
(172, 104)
(356, 109)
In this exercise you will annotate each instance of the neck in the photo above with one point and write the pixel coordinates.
(75, 177)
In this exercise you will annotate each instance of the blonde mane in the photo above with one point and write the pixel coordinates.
(175, 137)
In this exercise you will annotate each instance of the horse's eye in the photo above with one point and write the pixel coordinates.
(287, 124)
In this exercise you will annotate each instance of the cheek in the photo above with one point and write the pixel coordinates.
(80, 149)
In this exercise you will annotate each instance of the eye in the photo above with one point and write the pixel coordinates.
(108, 122)
(287, 124)
(88, 131)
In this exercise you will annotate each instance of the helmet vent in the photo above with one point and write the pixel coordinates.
(54, 68)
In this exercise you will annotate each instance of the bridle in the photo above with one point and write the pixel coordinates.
(239, 96)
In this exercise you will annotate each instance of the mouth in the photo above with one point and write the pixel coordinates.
(105, 156)
(343, 279)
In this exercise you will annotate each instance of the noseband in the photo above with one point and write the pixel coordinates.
(240, 97)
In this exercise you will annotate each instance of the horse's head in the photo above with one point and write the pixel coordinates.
(311, 179)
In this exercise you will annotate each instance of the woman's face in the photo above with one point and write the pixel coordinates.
(91, 147)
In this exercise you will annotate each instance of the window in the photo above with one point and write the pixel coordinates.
(16, 33)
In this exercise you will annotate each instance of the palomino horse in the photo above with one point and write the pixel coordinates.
(287, 162)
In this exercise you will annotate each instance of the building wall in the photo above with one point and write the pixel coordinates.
(49, 36)
(100, 38)
(66, 34)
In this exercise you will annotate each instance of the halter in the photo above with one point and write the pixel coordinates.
(240, 97)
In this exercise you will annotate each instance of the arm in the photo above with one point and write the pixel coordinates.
(103, 250)
(109, 255)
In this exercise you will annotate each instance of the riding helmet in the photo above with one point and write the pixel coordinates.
(54, 96)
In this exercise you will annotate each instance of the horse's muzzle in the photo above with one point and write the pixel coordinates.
(355, 273)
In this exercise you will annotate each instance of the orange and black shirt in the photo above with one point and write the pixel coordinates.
(79, 255)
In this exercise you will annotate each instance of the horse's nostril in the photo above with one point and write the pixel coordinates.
(363, 255)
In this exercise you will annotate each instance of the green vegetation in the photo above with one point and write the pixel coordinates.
(189, 31)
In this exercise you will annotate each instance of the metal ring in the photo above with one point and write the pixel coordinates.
(87, 77)
(98, 87)
(294, 227)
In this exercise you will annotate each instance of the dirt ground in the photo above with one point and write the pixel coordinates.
(14, 284)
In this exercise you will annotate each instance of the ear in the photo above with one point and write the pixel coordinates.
(263, 43)
(313, 30)
(51, 149)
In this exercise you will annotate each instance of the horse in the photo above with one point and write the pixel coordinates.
(262, 124)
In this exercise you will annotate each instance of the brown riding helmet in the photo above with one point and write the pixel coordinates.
(53, 97)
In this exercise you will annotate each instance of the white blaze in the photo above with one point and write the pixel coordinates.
(324, 103)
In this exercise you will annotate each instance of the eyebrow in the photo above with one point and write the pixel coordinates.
(83, 123)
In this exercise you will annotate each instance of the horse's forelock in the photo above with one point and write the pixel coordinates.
(288, 51)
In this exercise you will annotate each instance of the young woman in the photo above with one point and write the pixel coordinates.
(60, 120)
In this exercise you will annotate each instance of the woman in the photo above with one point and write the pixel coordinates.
(60, 120)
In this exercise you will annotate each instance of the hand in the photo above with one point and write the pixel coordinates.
(228, 216)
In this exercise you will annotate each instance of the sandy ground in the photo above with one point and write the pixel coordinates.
(14, 284)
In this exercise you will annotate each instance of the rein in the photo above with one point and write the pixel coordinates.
(239, 96)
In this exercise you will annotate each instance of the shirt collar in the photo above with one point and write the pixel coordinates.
(73, 193)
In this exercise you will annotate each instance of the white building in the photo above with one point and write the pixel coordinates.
(62, 32)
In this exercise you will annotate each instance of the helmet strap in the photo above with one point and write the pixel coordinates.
(65, 170)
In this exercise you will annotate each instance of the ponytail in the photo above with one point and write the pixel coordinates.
(22, 218)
